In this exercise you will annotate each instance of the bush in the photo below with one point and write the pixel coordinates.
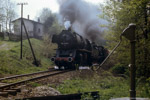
(119, 69)
(143, 88)
(48, 47)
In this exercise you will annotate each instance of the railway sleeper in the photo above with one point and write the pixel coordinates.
(17, 89)
(11, 92)
(4, 94)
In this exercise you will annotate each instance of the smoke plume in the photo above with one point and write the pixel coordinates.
(67, 24)
(83, 18)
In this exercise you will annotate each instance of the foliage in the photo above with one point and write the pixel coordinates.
(56, 28)
(119, 69)
(50, 21)
(107, 85)
(44, 14)
(143, 89)
(49, 48)
(120, 15)
(87, 97)
(51, 26)
(104, 82)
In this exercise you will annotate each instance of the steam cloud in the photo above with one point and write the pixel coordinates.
(83, 18)
(67, 24)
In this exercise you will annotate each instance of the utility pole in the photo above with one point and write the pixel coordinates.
(21, 27)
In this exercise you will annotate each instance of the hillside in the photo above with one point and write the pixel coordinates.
(10, 62)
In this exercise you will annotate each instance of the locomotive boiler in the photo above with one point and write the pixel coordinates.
(74, 50)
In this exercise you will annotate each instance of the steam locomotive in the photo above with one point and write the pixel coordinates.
(74, 50)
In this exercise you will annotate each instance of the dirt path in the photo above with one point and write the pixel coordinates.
(4, 46)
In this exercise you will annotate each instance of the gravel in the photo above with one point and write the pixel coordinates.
(44, 91)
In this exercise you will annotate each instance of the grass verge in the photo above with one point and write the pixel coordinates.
(108, 86)
(10, 62)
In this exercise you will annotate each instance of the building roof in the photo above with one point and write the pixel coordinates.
(26, 19)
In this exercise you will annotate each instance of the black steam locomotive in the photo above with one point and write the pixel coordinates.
(73, 50)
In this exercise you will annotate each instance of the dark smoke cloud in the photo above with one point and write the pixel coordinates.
(83, 17)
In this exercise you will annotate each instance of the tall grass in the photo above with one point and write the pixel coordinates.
(109, 86)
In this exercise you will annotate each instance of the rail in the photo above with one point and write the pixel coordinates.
(23, 75)
(8, 86)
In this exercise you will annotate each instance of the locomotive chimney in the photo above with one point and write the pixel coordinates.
(69, 29)
(39, 20)
(28, 17)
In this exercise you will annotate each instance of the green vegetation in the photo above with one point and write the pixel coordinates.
(107, 85)
(34, 84)
(119, 69)
(120, 15)
(10, 62)
(50, 21)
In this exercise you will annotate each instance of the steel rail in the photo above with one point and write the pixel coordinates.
(23, 75)
(8, 86)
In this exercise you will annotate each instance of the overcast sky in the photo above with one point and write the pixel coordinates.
(34, 7)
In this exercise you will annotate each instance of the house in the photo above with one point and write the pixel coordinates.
(35, 29)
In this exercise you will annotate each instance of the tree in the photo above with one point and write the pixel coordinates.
(119, 15)
(51, 26)
(56, 28)
(44, 14)
(1, 12)
(50, 21)
(7, 13)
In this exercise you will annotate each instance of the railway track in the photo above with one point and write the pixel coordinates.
(26, 75)
(13, 88)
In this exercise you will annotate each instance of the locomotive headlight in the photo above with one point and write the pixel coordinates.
(70, 54)
(52, 59)
(69, 59)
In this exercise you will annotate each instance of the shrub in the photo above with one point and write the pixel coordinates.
(119, 69)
